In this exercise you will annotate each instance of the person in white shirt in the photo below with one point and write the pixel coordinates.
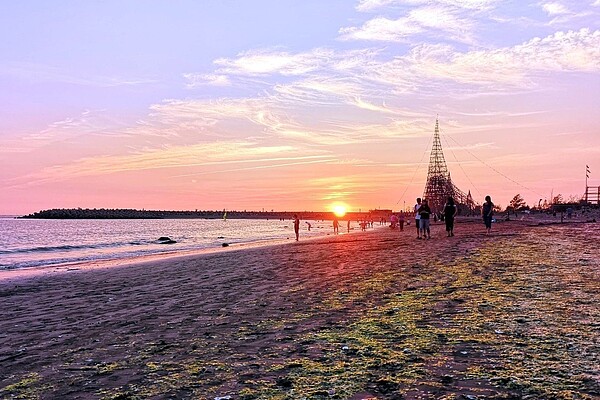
(418, 217)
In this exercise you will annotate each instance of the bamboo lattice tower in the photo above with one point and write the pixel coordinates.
(439, 185)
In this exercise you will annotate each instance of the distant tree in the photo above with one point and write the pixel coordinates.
(558, 199)
(517, 203)
(574, 198)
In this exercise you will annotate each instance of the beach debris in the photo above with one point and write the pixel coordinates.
(284, 382)
(220, 237)
(224, 398)
(225, 244)
(166, 240)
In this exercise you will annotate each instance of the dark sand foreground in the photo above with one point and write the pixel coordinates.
(377, 315)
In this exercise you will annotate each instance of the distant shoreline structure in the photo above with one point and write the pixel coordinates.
(120, 213)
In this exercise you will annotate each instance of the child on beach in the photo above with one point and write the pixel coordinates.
(487, 211)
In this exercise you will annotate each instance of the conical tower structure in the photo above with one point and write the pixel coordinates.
(439, 186)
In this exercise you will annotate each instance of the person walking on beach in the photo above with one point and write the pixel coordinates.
(487, 210)
(401, 220)
(336, 226)
(425, 212)
(418, 217)
(296, 226)
(348, 225)
(450, 211)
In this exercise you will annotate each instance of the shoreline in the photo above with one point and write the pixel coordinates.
(19, 274)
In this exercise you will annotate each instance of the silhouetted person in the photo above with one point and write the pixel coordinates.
(425, 213)
(336, 226)
(450, 211)
(487, 210)
(348, 226)
(401, 220)
(296, 226)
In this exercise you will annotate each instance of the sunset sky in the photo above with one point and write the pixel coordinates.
(293, 105)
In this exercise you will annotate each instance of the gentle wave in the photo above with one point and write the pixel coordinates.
(34, 243)
(74, 247)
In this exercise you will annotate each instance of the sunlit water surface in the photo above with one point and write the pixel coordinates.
(28, 243)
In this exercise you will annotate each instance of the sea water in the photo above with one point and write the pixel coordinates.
(26, 243)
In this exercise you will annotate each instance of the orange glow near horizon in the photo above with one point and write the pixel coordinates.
(339, 209)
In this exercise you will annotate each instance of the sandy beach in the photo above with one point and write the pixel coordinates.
(375, 315)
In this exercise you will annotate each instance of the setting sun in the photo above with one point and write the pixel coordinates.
(339, 209)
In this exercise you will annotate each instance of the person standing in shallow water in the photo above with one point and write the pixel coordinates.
(296, 226)
(336, 226)
(401, 220)
(450, 211)
(487, 210)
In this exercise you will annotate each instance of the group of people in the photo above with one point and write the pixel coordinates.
(336, 226)
(422, 216)
(423, 213)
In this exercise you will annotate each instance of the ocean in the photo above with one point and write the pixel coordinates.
(29, 243)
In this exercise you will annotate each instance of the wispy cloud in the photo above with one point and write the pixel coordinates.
(265, 61)
(34, 73)
(429, 20)
(446, 20)
(199, 80)
(185, 157)
(555, 8)
(88, 123)
(370, 5)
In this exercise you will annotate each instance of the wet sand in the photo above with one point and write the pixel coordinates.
(376, 315)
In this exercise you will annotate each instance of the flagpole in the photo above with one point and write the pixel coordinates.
(587, 175)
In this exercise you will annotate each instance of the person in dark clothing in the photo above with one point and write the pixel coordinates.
(296, 226)
(450, 211)
(425, 212)
(487, 211)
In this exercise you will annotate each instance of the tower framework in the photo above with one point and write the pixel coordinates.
(439, 185)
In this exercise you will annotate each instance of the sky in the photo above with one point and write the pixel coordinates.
(294, 105)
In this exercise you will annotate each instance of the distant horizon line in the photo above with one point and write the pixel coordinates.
(196, 211)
